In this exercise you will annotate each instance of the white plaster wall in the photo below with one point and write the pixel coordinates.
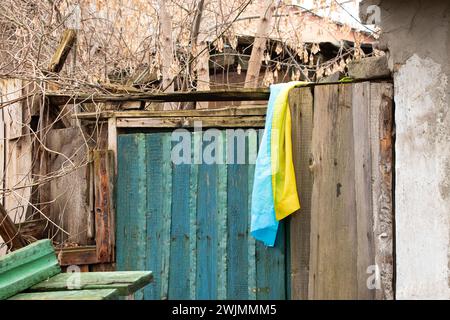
(422, 205)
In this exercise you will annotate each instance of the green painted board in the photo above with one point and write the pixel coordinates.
(131, 225)
(26, 267)
(238, 240)
(100, 294)
(158, 212)
(207, 237)
(25, 255)
(180, 234)
(126, 282)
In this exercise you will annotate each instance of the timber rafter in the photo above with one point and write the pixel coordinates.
(58, 98)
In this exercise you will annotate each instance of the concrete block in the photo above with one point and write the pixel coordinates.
(369, 68)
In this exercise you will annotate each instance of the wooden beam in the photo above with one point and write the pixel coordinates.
(126, 282)
(188, 122)
(66, 43)
(33, 228)
(119, 88)
(26, 267)
(77, 255)
(9, 232)
(99, 294)
(234, 94)
(104, 205)
(219, 112)
(58, 98)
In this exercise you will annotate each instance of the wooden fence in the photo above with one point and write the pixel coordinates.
(342, 237)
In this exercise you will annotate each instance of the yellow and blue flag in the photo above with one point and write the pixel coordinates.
(274, 195)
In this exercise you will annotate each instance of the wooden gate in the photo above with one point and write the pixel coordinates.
(189, 224)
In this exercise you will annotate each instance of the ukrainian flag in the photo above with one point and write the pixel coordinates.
(274, 194)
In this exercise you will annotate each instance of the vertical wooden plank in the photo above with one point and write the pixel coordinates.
(269, 279)
(69, 194)
(122, 188)
(3, 248)
(153, 185)
(180, 252)
(207, 232)
(158, 186)
(193, 194)
(104, 204)
(381, 132)
(133, 195)
(251, 245)
(90, 201)
(112, 139)
(222, 221)
(42, 166)
(17, 160)
(319, 99)
(333, 219)
(132, 250)
(13, 113)
(363, 187)
(2, 142)
(166, 213)
(271, 268)
(238, 229)
(301, 106)
(270, 263)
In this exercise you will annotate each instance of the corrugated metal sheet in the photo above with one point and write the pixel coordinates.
(189, 224)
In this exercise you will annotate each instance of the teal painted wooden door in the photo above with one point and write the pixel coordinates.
(189, 224)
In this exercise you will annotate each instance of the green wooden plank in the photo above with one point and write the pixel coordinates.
(126, 282)
(138, 216)
(127, 148)
(222, 234)
(271, 269)
(206, 280)
(287, 258)
(100, 294)
(153, 214)
(180, 234)
(166, 213)
(26, 254)
(251, 242)
(237, 281)
(158, 214)
(26, 267)
(196, 136)
(131, 205)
